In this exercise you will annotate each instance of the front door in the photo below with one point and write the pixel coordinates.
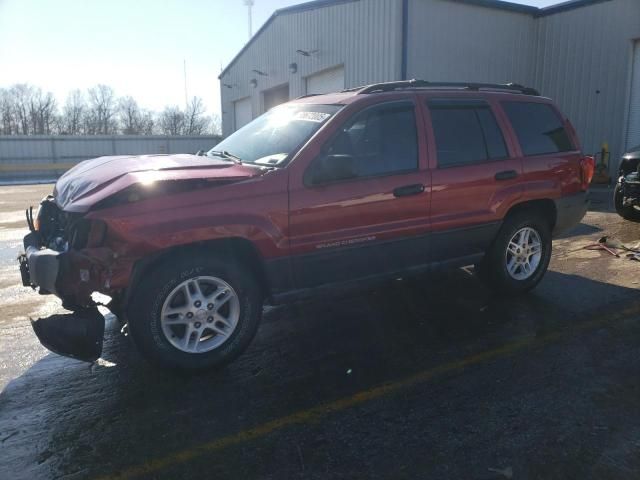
(363, 206)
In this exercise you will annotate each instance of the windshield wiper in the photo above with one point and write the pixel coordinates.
(226, 155)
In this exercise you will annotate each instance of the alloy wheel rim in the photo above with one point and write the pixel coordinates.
(200, 314)
(523, 254)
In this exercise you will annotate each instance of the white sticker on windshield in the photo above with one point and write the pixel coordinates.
(311, 116)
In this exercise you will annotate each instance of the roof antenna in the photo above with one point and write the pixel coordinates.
(249, 4)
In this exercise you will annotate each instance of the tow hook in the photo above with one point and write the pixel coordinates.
(77, 335)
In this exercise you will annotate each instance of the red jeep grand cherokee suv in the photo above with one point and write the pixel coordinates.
(326, 191)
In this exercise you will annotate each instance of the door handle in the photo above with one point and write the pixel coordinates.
(407, 190)
(506, 175)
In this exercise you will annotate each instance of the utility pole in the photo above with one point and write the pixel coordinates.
(186, 97)
(249, 4)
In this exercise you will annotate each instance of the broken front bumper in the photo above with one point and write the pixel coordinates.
(38, 268)
(77, 335)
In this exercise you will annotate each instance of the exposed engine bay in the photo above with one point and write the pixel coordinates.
(630, 185)
(629, 180)
(56, 229)
(64, 255)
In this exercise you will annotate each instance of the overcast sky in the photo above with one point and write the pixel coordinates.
(135, 46)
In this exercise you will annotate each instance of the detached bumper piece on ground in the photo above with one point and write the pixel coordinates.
(77, 335)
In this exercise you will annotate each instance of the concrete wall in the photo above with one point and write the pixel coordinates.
(363, 35)
(45, 157)
(587, 50)
(449, 41)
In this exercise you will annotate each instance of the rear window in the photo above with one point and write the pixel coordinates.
(539, 128)
(466, 132)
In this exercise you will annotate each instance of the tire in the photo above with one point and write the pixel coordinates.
(494, 267)
(165, 343)
(628, 212)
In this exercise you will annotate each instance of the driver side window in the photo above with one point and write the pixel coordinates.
(381, 140)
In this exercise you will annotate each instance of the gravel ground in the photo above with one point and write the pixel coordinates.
(419, 378)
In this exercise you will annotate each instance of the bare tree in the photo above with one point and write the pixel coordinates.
(147, 124)
(172, 121)
(216, 124)
(102, 108)
(27, 110)
(7, 119)
(21, 94)
(42, 112)
(129, 116)
(75, 107)
(196, 122)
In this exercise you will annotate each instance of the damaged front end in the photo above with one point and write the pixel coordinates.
(64, 255)
(630, 187)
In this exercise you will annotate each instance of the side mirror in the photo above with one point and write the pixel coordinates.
(331, 168)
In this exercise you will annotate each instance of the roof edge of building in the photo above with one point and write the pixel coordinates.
(497, 4)
(502, 5)
(301, 7)
(565, 6)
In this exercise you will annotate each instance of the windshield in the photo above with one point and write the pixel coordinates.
(270, 138)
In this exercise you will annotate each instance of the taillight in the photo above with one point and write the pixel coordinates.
(587, 169)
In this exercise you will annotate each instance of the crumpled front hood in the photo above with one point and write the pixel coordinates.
(93, 180)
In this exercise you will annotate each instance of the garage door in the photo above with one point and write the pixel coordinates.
(276, 96)
(633, 134)
(242, 112)
(327, 81)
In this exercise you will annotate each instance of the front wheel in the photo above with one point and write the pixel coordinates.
(519, 256)
(195, 312)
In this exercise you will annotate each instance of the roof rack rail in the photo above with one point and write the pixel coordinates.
(404, 84)
(307, 95)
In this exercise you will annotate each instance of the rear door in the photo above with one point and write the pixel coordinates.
(475, 175)
(375, 222)
(551, 157)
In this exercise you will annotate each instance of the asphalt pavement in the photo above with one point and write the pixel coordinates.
(423, 378)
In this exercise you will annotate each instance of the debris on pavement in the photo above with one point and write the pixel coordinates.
(610, 245)
(633, 256)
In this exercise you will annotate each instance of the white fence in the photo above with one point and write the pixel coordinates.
(38, 158)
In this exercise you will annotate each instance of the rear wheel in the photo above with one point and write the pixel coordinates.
(627, 212)
(519, 256)
(195, 312)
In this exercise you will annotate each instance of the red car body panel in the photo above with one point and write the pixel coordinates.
(254, 209)
(294, 225)
(90, 182)
(362, 209)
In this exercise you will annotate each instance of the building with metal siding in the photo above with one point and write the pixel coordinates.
(579, 52)
(361, 36)
(456, 41)
(584, 60)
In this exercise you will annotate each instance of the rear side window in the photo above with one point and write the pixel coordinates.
(466, 132)
(539, 128)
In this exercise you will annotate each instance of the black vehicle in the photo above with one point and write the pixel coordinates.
(626, 196)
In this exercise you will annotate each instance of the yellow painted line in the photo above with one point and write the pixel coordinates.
(315, 413)
(30, 167)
